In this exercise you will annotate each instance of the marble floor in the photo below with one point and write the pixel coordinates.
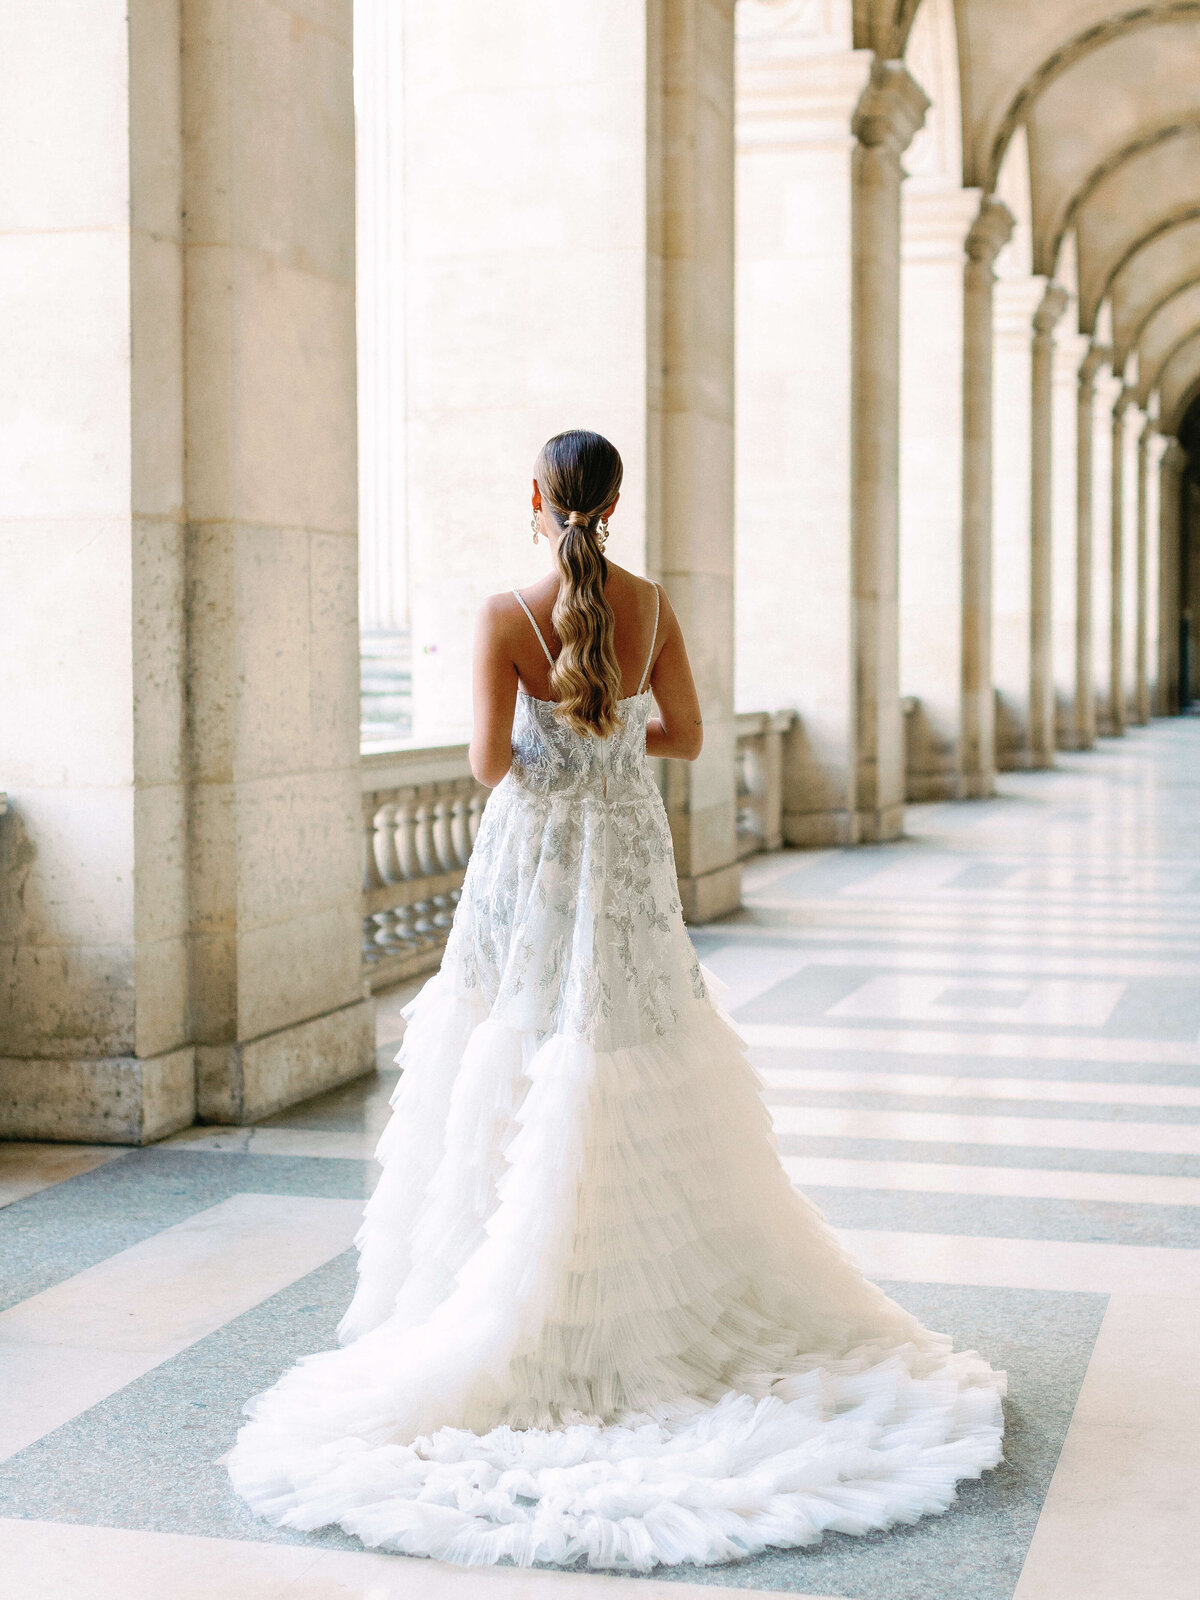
(981, 1047)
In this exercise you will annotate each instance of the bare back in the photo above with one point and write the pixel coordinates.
(515, 643)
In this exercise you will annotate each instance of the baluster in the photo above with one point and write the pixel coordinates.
(460, 821)
(371, 875)
(443, 843)
(405, 836)
(426, 848)
(478, 801)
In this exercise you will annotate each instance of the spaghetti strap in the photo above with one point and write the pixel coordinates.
(653, 641)
(536, 629)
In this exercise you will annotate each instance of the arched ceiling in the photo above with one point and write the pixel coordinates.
(1179, 380)
(1107, 93)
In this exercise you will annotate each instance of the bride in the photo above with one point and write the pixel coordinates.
(594, 1321)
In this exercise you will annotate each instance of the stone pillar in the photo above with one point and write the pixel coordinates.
(382, 400)
(991, 231)
(1042, 712)
(690, 414)
(94, 1031)
(1085, 475)
(274, 842)
(1127, 422)
(1017, 300)
(1170, 601)
(891, 110)
(1151, 446)
(935, 228)
(816, 354)
(1106, 390)
(1070, 349)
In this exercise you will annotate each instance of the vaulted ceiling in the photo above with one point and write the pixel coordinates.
(1108, 95)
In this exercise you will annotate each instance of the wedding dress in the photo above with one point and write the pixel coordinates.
(594, 1321)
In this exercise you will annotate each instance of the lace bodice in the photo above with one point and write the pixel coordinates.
(550, 758)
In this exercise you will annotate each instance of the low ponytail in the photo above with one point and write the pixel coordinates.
(579, 475)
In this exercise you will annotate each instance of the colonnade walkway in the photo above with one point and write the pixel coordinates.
(981, 1045)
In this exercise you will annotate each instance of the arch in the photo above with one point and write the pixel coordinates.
(1192, 336)
(1087, 313)
(1171, 425)
(884, 25)
(1067, 54)
(1111, 163)
(1134, 339)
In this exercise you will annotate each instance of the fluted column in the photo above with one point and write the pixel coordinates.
(991, 231)
(1042, 718)
(891, 110)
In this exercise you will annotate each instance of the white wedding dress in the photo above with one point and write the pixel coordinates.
(594, 1321)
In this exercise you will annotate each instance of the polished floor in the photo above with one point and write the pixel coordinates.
(981, 1047)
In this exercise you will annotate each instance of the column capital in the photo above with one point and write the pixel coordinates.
(788, 98)
(1174, 456)
(990, 232)
(1098, 357)
(1055, 301)
(891, 109)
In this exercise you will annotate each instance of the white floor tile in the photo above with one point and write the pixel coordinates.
(1122, 1518)
(1024, 1263)
(1040, 1183)
(59, 1561)
(939, 1042)
(68, 1347)
(1035, 1133)
(1055, 1090)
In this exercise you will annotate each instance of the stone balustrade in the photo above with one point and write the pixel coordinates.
(760, 736)
(421, 811)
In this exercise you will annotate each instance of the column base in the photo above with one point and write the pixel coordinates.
(977, 786)
(921, 787)
(711, 894)
(244, 1082)
(819, 829)
(112, 1100)
(877, 827)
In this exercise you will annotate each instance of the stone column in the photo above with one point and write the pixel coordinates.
(1070, 349)
(1042, 713)
(991, 231)
(819, 137)
(1151, 446)
(1017, 300)
(891, 110)
(274, 840)
(382, 398)
(1127, 422)
(935, 227)
(1170, 487)
(1085, 474)
(95, 1041)
(690, 247)
(1106, 390)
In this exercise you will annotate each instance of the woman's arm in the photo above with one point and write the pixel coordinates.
(495, 692)
(678, 730)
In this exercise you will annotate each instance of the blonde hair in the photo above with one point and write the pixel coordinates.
(579, 476)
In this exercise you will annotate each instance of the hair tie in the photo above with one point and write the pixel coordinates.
(577, 519)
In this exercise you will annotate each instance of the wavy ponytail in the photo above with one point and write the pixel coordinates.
(579, 475)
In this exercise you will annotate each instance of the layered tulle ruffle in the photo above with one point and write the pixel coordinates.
(594, 1321)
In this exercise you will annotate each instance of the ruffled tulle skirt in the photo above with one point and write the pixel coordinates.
(595, 1323)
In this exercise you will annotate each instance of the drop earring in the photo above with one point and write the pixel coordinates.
(533, 523)
(602, 532)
